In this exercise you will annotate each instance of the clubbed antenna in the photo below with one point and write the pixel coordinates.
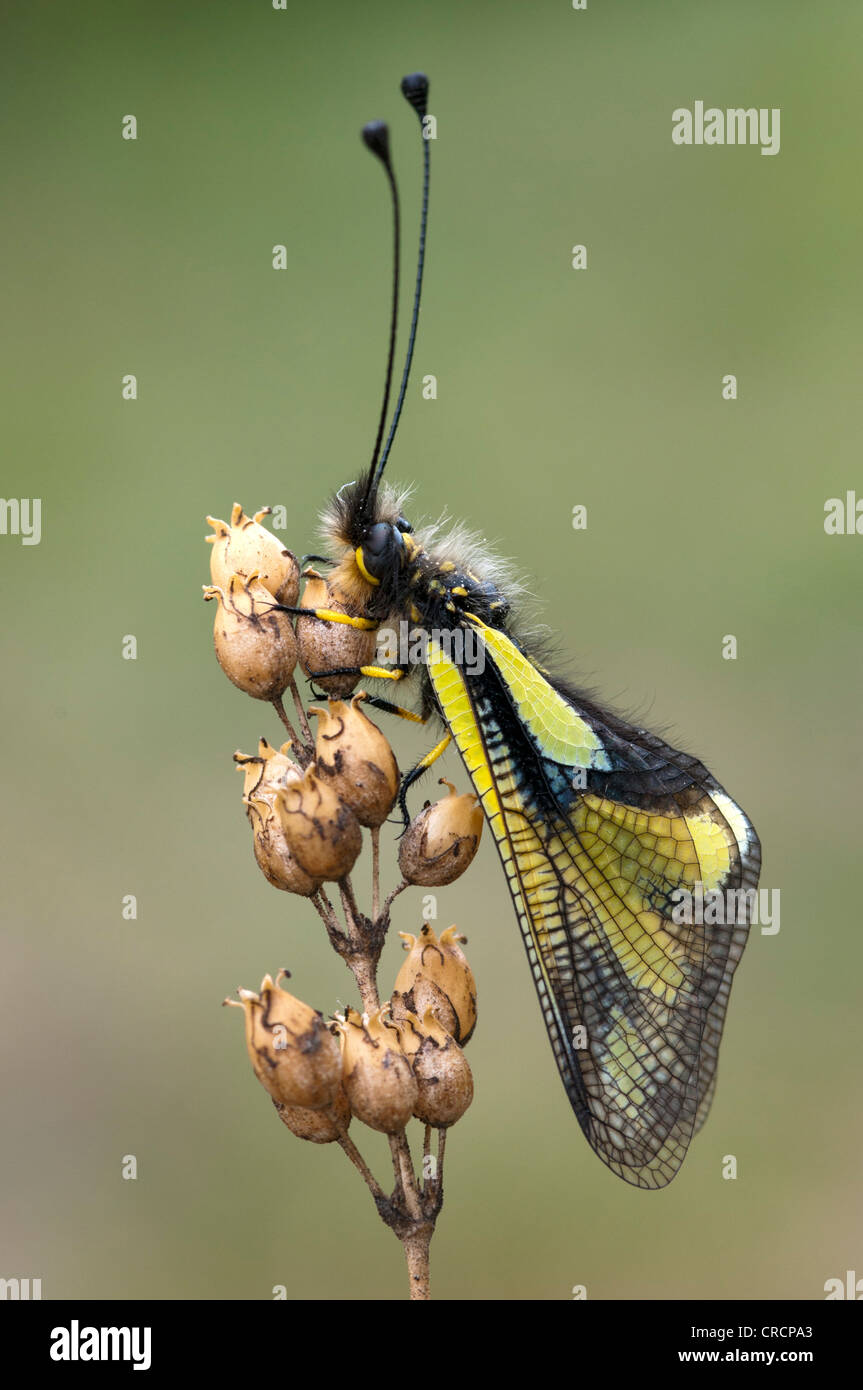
(415, 89)
(376, 137)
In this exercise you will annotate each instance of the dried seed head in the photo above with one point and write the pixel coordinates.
(437, 978)
(245, 547)
(443, 1076)
(292, 1051)
(441, 841)
(355, 758)
(318, 1126)
(255, 644)
(267, 770)
(378, 1079)
(272, 851)
(264, 776)
(322, 834)
(326, 646)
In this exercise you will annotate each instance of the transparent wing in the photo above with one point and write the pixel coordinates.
(602, 830)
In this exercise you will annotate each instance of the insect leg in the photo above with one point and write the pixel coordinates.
(389, 708)
(417, 771)
(377, 673)
(326, 615)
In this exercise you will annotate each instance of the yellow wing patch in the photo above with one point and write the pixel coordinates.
(592, 883)
(560, 732)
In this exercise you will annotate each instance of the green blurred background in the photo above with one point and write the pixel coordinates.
(556, 387)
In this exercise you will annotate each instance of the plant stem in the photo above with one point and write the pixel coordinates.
(279, 707)
(376, 871)
(441, 1145)
(391, 897)
(412, 1209)
(364, 973)
(402, 1154)
(427, 1180)
(417, 1255)
(349, 907)
(363, 965)
(359, 1162)
(301, 714)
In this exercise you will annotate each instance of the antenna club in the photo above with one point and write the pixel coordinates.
(376, 137)
(415, 89)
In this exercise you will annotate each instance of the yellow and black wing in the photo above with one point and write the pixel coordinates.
(599, 827)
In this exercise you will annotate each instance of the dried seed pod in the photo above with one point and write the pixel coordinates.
(322, 834)
(255, 644)
(318, 1126)
(436, 977)
(326, 646)
(245, 547)
(267, 770)
(443, 1075)
(378, 1080)
(441, 841)
(293, 1053)
(355, 758)
(273, 853)
(264, 776)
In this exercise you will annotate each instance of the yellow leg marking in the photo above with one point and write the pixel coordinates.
(327, 615)
(406, 714)
(380, 673)
(434, 753)
(398, 710)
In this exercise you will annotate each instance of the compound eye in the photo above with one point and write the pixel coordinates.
(378, 539)
(377, 550)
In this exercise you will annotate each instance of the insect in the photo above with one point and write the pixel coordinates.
(602, 828)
